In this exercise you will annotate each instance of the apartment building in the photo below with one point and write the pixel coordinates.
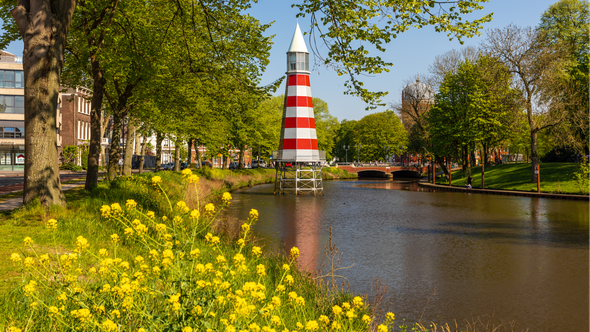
(12, 113)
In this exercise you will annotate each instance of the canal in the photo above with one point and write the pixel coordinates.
(445, 256)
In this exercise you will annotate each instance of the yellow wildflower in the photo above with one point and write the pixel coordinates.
(324, 319)
(220, 259)
(367, 319)
(195, 214)
(168, 254)
(294, 252)
(253, 214)
(275, 320)
(188, 328)
(193, 178)
(108, 325)
(186, 172)
(254, 327)
(15, 258)
(28, 241)
(114, 238)
(382, 328)
(286, 267)
(289, 279)
(256, 251)
(128, 232)
(29, 262)
(156, 179)
(210, 208)
(53, 310)
(43, 258)
(260, 270)
(151, 214)
(105, 211)
(81, 244)
(239, 259)
(181, 205)
(141, 329)
(226, 197)
(195, 253)
(14, 329)
(116, 313)
(51, 224)
(357, 301)
(312, 325)
(337, 310)
(103, 252)
(240, 242)
(131, 204)
(350, 314)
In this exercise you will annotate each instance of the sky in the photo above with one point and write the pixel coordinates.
(411, 53)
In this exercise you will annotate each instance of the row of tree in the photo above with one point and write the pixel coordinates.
(519, 84)
(188, 68)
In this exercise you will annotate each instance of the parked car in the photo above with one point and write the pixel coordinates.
(183, 166)
(233, 165)
(168, 167)
(258, 163)
(206, 163)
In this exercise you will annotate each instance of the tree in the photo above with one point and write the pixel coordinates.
(380, 134)
(534, 65)
(326, 127)
(345, 137)
(565, 25)
(346, 27)
(43, 26)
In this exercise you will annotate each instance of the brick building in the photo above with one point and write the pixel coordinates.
(12, 113)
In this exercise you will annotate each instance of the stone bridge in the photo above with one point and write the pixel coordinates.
(384, 171)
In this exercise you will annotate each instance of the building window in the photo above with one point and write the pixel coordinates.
(78, 129)
(12, 104)
(12, 79)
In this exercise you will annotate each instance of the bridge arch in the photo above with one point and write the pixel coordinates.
(371, 173)
(406, 173)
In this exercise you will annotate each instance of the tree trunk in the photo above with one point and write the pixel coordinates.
(240, 158)
(43, 26)
(159, 139)
(176, 156)
(137, 137)
(142, 157)
(128, 157)
(189, 159)
(472, 158)
(95, 124)
(534, 156)
(198, 154)
(441, 162)
(115, 151)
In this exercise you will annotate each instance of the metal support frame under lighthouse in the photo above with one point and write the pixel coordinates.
(298, 160)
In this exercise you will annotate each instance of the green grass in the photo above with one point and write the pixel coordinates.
(555, 178)
(331, 173)
(82, 216)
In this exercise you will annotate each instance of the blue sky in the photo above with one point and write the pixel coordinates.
(411, 53)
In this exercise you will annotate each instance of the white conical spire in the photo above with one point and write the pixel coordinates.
(297, 43)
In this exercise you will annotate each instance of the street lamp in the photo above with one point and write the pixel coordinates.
(358, 147)
(346, 149)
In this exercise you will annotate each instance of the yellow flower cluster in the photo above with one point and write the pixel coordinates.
(178, 270)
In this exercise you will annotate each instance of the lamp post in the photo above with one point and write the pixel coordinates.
(358, 147)
(346, 148)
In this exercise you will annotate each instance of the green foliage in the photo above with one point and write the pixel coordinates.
(581, 176)
(380, 134)
(70, 153)
(345, 137)
(348, 27)
(327, 127)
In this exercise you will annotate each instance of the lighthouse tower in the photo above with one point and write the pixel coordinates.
(298, 158)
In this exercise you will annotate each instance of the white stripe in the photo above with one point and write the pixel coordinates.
(299, 90)
(299, 133)
(310, 114)
(301, 155)
(299, 112)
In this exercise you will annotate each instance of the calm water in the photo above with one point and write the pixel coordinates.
(514, 258)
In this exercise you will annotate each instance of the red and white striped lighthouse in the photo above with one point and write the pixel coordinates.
(299, 141)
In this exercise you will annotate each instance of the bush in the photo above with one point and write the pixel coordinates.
(70, 167)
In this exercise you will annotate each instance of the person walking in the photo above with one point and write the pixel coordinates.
(469, 180)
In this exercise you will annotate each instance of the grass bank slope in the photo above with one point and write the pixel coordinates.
(555, 178)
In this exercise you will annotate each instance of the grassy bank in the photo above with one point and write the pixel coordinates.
(555, 178)
(148, 253)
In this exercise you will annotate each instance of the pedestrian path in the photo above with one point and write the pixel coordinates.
(13, 203)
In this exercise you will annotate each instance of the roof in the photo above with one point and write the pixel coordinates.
(418, 91)
(297, 43)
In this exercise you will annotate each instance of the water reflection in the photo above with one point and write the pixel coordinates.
(466, 255)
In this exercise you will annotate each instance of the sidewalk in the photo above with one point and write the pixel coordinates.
(502, 192)
(13, 203)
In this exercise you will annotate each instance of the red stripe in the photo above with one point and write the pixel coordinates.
(298, 80)
(299, 123)
(300, 144)
(303, 101)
